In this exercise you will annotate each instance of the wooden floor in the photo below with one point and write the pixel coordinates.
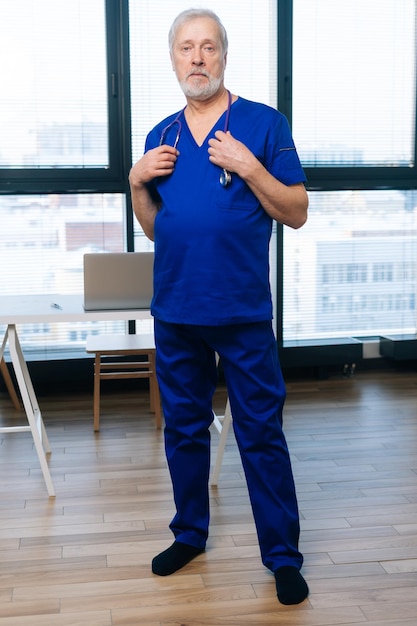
(83, 559)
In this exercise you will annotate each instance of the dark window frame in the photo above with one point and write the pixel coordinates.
(91, 180)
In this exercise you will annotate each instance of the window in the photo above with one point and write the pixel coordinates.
(350, 271)
(60, 102)
(61, 175)
(354, 122)
(359, 78)
(382, 272)
(42, 242)
(79, 83)
(55, 115)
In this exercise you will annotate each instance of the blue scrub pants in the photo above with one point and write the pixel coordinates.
(187, 376)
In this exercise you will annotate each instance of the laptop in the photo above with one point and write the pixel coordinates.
(118, 280)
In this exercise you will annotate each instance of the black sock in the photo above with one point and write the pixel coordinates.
(291, 586)
(175, 557)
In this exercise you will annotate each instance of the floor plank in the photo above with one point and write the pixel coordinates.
(84, 557)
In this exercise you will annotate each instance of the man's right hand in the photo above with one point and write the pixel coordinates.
(159, 161)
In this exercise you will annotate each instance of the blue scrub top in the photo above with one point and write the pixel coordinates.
(212, 242)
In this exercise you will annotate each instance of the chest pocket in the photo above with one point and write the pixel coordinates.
(236, 196)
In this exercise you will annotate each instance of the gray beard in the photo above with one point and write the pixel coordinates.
(201, 92)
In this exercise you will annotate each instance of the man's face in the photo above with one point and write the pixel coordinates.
(198, 58)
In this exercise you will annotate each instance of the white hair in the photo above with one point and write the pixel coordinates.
(190, 14)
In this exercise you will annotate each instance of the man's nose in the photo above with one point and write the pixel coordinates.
(198, 59)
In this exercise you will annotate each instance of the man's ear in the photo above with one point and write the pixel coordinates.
(172, 62)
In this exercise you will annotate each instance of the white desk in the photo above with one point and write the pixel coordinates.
(16, 310)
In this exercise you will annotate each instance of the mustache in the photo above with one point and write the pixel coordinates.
(199, 73)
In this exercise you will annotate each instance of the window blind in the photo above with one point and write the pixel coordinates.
(351, 270)
(43, 239)
(354, 82)
(53, 115)
(53, 109)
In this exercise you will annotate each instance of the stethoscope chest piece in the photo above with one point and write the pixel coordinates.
(225, 178)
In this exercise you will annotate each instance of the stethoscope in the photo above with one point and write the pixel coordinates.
(225, 176)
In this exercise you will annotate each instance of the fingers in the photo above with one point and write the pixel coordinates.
(165, 150)
(219, 136)
(157, 162)
(219, 150)
(165, 159)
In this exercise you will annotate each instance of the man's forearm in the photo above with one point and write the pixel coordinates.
(144, 208)
(285, 204)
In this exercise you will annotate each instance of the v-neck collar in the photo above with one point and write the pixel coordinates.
(214, 127)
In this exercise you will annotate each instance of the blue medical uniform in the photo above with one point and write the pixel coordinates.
(212, 294)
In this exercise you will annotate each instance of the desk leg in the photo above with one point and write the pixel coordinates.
(30, 404)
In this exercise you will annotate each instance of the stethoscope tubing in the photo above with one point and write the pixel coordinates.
(225, 175)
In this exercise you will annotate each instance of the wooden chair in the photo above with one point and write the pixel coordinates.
(103, 346)
(9, 385)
